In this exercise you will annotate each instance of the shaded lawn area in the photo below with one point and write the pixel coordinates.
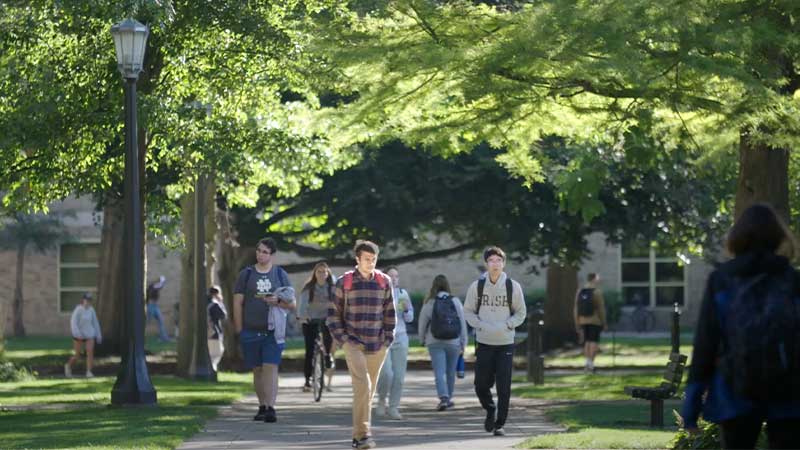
(627, 352)
(598, 413)
(85, 420)
(38, 351)
(621, 424)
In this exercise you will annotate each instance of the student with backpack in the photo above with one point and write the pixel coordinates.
(745, 366)
(590, 317)
(362, 319)
(262, 298)
(393, 372)
(494, 307)
(443, 330)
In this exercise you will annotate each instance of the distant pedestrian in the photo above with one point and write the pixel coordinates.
(216, 312)
(262, 296)
(153, 310)
(745, 366)
(362, 320)
(85, 332)
(315, 301)
(393, 372)
(590, 318)
(443, 329)
(495, 307)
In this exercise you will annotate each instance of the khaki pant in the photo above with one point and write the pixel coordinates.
(364, 370)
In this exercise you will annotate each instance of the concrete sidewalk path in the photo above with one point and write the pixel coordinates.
(304, 424)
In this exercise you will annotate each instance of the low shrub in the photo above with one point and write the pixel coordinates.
(10, 372)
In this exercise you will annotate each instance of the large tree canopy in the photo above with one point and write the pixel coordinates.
(448, 75)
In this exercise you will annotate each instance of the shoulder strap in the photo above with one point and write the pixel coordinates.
(381, 278)
(247, 277)
(481, 284)
(510, 295)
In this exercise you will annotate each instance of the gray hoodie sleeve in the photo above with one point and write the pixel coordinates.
(73, 323)
(463, 338)
(470, 306)
(98, 334)
(424, 320)
(518, 306)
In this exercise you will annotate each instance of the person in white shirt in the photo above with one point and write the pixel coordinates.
(494, 316)
(85, 332)
(393, 372)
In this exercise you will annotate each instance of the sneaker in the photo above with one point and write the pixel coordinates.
(67, 371)
(394, 413)
(366, 442)
(450, 404)
(270, 415)
(328, 388)
(442, 404)
(488, 424)
(262, 411)
(307, 387)
(330, 362)
(89, 374)
(355, 442)
(380, 409)
(499, 431)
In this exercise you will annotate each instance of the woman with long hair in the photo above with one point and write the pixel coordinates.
(745, 366)
(440, 306)
(315, 298)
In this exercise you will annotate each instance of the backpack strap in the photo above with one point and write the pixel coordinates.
(510, 295)
(481, 285)
(249, 270)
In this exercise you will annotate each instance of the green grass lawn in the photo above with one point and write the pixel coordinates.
(599, 414)
(621, 424)
(74, 413)
(625, 352)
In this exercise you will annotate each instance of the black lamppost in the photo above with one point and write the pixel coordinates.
(133, 386)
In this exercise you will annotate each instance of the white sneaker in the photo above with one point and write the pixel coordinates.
(380, 409)
(394, 413)
(67, 371)
(89, 374)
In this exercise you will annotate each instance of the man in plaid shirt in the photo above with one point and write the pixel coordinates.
(361, 319)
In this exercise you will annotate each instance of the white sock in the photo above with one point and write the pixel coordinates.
(589, 363)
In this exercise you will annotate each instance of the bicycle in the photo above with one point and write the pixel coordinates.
(319, 359)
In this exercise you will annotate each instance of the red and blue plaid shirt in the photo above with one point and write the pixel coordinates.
(368, 318)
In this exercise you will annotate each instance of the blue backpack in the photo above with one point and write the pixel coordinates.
(761, 345)
(445, 323)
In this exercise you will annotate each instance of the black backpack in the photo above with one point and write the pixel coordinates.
(761, 349)
(445, 323)
(586, 302)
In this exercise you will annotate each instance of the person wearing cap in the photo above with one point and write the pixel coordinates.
(153, 311)
(85, 331)
(216, 312)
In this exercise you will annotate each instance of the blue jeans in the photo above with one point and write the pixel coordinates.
(393, 372)
(444, 358)
(154, 312)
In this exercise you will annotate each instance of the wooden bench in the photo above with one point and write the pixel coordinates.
(673, 374)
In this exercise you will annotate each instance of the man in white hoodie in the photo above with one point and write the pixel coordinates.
(494, 316)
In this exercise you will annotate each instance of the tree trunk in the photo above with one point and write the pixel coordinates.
(19, 301)
(763, 176)
(559, 326)
(194, 303)
(233, 256)
(110, 306)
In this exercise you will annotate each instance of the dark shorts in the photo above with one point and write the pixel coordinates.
(591, 333)
(260, 348)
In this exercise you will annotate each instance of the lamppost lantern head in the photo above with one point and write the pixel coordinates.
(130, 39)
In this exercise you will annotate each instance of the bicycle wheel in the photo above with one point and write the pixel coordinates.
(318, 372)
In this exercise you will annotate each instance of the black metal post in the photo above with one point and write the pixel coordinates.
(201, 368)
(133, 385)
(535, 341)
(676, 329)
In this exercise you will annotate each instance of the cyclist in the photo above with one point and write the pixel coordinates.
(590, 317)
(315, 300)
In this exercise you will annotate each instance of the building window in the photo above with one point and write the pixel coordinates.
(77, 273)
(650, 277)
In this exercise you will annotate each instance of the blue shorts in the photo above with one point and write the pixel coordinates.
(260, 348)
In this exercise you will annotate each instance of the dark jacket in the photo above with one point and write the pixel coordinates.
(709, 340)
